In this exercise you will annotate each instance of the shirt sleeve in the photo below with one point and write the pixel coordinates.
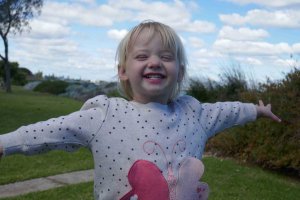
(215, 117)
(63, 133)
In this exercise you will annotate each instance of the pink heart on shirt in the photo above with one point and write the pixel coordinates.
(147, 182)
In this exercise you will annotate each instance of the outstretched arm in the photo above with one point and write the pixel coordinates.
(265, 111)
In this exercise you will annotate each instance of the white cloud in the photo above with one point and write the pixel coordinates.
(45, 29)
(45, 49)
(198, 26)
(119, 10)
(176, 14)
(64, 58)
(243, 33)
(268, 3)
(296, 48)
(280, 18)
(206, 53)
(196, 42)
(86, 1)
(117, 34)
(251, 48)
(288, 63)
(96, 15)
(203, 64)
(249, 61)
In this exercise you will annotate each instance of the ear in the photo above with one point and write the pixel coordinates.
(122, 73)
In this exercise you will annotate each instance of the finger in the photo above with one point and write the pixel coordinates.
(275, 118)
(260, 103)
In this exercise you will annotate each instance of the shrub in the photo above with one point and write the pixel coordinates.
(18, 75)
(233, 83)
(203, 90)
(53, 87)
(264, 142)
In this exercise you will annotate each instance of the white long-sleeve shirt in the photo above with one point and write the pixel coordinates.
(129, 140)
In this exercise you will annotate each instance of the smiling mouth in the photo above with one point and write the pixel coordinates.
(154, 76)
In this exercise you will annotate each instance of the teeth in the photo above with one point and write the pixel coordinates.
(154, 76)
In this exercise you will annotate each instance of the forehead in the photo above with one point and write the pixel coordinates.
(147, 34)
(144, 40)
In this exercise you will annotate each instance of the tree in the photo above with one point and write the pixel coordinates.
(14, 18)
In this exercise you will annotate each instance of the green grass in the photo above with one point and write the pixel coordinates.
(230, 180)
(82, 191)
(227, 179)
(19, 167)
(23, 107)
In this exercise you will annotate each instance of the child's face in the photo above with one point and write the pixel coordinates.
(152, 71)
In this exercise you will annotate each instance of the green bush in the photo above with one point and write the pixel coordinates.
(271, 145)
(114, 93)
(18, 75)
(52, 87)
(203, 90)
(233, 83)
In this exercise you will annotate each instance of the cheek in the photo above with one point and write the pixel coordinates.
(176, 72)
(133, 74)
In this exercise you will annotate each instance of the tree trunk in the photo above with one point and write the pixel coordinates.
(7, 67)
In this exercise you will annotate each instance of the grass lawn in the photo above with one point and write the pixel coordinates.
(82, 191)
(227, 180)
(230, 180)
(24, 107)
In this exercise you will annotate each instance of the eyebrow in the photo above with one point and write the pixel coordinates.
(146, 50)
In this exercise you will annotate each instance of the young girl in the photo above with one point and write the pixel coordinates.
(149, 146)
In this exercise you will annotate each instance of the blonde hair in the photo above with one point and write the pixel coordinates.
(170, 40)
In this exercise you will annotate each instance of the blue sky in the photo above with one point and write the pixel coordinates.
(78, 38)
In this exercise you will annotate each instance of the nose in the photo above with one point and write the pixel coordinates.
(154, 62)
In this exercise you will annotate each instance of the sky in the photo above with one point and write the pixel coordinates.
(78, 38)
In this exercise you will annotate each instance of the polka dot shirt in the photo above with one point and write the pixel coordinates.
(120, 132)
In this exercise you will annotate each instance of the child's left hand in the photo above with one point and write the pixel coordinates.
(265, 111)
